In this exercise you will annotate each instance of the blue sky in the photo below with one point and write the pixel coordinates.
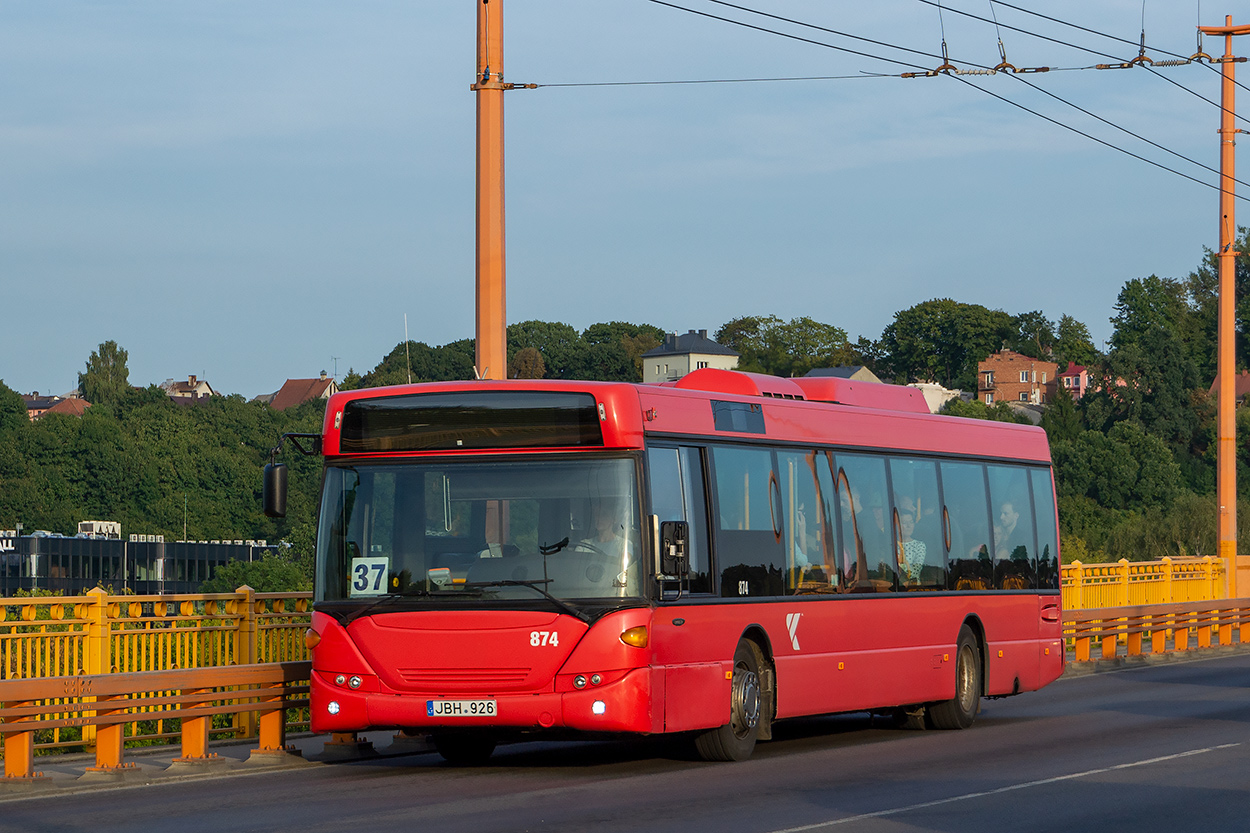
(245, 191)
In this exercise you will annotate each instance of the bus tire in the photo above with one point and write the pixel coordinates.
(961, 710)
(735, 741)
(464, 748)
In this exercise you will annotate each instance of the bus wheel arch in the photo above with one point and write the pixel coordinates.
(974, 623)
(961, 710)
(768, 673)
(749, 707)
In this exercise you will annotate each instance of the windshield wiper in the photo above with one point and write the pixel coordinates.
(389, 598)
(533, 584)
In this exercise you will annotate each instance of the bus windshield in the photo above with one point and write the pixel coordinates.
(463, 530)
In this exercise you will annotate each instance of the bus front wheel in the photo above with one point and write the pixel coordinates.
(735, 741)
(961, 710)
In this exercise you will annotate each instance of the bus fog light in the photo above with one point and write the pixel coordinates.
(354, 682)
(598, 707)
(579, 681)
(340, 679)
(595, 679)
(333, 707)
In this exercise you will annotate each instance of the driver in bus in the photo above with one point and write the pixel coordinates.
(607, 530)
(607, 535)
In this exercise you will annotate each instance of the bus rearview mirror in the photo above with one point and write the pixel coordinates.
(274, 493)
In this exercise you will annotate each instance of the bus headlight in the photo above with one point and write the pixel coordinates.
(333, 707)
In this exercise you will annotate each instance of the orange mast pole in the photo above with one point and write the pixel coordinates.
(1226, 362)
(491, 355)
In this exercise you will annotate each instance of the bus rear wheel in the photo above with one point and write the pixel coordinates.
(464, 748)
(735, 741)
(961, 710)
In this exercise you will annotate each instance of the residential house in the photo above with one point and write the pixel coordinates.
(298, 391)
(190, 391)
(1075, 380)
(856, 372)
(70, 407)
(1241, 387)
(680, 354)
(936, 396)
(1008, 376)
(36, 405)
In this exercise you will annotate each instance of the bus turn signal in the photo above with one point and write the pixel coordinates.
(635, 636)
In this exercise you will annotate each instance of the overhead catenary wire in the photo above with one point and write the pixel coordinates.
(981, 89)
(1120, 62)
(720, 80)
(1197, 57)
(1096, 139)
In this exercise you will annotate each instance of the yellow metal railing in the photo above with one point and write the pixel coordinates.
(69, 636)
(1147, 629)
(1124, 583)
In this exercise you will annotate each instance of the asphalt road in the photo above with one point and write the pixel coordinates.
(1160, 748)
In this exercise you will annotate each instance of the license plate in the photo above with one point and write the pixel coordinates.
(461, 708)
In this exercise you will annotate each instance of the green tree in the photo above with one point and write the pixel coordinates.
(562, 348)
(1034, 335)
(1060, 419)
(528, 364)
(975, 409)
(1073, 343)
(13, 413)
(1126, 468)
(106, 379)
(785, 348)
(272, 574)
(943, 340)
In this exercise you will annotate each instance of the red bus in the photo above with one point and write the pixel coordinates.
(498, 560)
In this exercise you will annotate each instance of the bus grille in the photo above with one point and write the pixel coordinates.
(463, 679)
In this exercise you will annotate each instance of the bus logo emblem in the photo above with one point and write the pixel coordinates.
(792, 625)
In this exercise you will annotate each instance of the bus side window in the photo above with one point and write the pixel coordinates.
(918, 512)
(968, 513)
(677, 494)
(748, 529)
(866, 514)
(1047, 536)
(1014, 546)
(807, 570)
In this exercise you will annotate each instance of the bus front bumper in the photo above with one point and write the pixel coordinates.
(621, 706)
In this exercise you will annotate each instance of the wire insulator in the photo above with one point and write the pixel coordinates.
(976, 72)
(1177, 63)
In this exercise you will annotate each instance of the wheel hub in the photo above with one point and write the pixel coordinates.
(746, 701)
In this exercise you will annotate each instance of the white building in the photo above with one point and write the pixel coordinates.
(680, 354)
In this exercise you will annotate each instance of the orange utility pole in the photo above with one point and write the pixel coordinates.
(491, 357)
(1226, 360)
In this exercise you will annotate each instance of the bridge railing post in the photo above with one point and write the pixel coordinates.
(19, 750)
(97, 648)
(245, 649)
(1077, 577)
